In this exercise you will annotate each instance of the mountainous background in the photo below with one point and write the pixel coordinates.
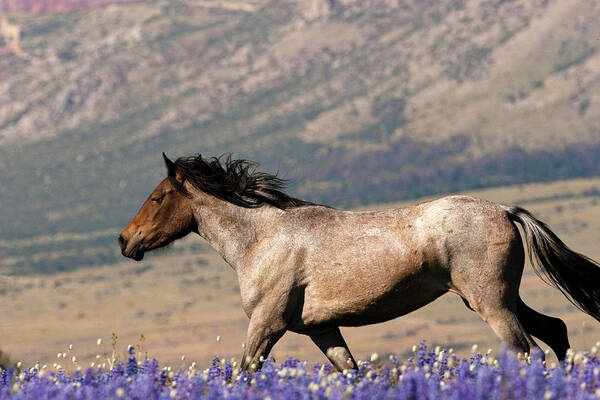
(358, 101)
(42, 6)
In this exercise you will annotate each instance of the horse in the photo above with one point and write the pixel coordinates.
(309, 268)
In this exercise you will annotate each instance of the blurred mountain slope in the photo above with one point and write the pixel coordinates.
(45, 6)
(360, 101)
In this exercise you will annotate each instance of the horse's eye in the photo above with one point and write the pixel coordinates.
(158, 199)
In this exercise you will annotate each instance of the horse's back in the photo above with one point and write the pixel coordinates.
(424, 234)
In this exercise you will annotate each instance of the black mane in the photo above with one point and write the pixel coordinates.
(235, 181)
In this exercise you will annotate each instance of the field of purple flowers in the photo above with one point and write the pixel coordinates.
(428, 374)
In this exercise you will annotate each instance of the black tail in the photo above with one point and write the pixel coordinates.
(575, 275)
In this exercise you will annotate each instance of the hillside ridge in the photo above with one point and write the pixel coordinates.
(51, 6)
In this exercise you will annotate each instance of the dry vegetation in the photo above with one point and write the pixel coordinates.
(181, 301)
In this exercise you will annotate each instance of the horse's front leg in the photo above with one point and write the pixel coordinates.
(333, 345)
(265, 329)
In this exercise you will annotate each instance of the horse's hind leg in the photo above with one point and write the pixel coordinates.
(507, 327)
(498, 307)
(333, 345)
(552, 331)
(486, 273)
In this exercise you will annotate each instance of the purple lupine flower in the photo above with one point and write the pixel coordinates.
(535, 379)
(89, 378)
(557, 388)
(422, 354)
(215, 370)
(132, 366)
(228, 371)
(150, 367)
(118, 370)
(475, 377)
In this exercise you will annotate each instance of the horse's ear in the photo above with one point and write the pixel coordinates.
(171, 168)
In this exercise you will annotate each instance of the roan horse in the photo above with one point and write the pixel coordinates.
(310, 269)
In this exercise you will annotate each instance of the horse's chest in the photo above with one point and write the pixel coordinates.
(268, 291)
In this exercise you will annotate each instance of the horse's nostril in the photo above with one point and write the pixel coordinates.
(122, 242)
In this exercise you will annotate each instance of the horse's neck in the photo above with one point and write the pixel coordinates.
(230, 229)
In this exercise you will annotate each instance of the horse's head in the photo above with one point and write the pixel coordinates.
(165, 216)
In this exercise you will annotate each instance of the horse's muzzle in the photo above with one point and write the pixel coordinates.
(130, 250)
(122, 243)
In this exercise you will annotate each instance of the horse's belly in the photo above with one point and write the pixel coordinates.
(355, 309)
(373, 281)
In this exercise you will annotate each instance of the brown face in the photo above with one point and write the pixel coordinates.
(165, 216)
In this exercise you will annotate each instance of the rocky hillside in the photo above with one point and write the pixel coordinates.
(359, 101)
(45, 6)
